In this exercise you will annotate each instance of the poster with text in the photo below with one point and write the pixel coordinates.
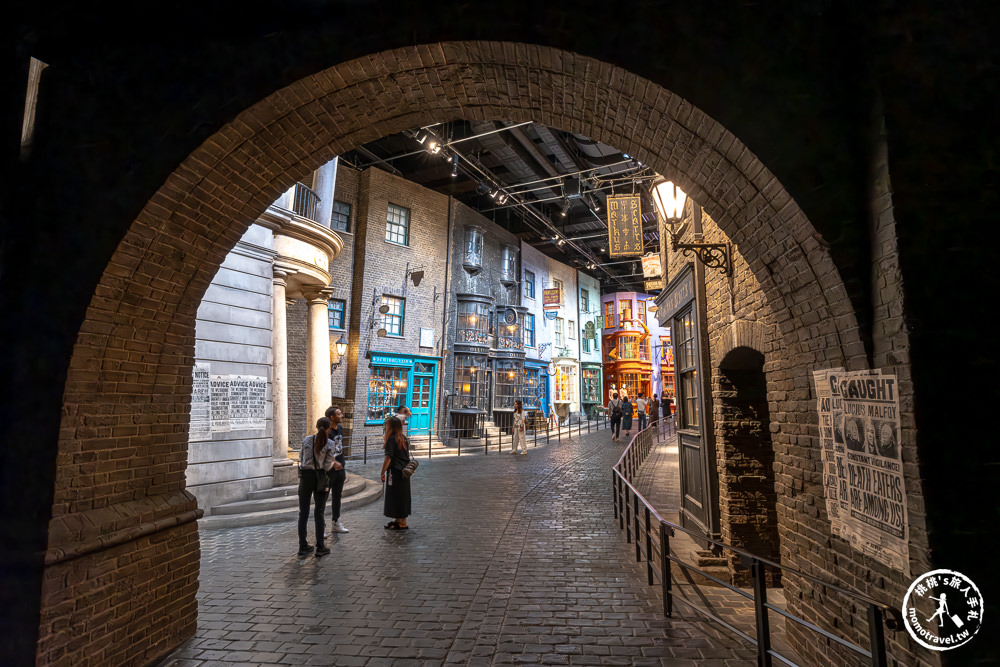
(866, 444)
(220, 403)
(247, 402)
(201, 402)
(833, 479)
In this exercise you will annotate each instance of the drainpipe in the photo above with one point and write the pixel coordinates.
(442, 413)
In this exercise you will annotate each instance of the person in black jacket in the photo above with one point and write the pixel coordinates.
(397, 488)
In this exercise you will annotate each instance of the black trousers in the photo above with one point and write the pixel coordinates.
(337, 479)
(308, 492)
(616, 426)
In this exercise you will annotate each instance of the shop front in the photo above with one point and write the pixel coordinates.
(590, 388)
(469, 400)
(402, 379)
(566, 382)
(536, 388)
(507, 364)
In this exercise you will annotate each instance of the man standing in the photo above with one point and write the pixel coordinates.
(640, 406)
(338, 475)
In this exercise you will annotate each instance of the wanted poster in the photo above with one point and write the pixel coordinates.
(201, 403)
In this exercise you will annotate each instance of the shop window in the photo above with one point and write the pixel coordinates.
(591, 385)
(470, 382)
(586, 344)
(386, 390)
(565, 382)
(533, 388)
(509, 336)
(529, 284)
(508, 377)
(397, 225)
(529, 330)
(335, 311)
(393, 320)
(641, 308)
(609, 314)
(473, 322)
(624, 311)
(340, 219)
(687, 370)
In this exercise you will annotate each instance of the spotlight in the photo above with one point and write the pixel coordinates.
(564, 207)
(454, 166)
(434, 147)
(494, 193)
(421, 138)
(502, 199)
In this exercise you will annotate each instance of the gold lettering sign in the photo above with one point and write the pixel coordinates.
(624, 226)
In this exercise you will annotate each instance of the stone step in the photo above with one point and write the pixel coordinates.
(370, 492)
(354, 484)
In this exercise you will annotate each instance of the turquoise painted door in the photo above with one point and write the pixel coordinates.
(422, 400)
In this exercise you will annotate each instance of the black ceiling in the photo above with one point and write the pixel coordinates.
(546, 186)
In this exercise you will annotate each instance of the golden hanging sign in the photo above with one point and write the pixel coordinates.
(624, 226)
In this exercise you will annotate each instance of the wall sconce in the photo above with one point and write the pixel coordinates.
(341, 350)
(669, 200)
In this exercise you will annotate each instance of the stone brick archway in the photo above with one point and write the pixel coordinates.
(123, 537)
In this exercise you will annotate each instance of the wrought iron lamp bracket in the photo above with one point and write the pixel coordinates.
(713, 255)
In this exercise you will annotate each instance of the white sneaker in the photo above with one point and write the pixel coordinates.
(339, 528)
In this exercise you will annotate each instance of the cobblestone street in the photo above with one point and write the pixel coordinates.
(508, 560)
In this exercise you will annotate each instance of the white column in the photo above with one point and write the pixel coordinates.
(319, 394)
(326, 184)
(279, 369)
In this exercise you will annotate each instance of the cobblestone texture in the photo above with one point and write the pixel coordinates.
(509, 560)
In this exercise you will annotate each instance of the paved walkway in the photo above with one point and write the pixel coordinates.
(509, 560)
(658, 480)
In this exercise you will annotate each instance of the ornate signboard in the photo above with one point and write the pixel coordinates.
(624, 226)
(589, 330)
(551, 297)
(651, 265)
(653, 285)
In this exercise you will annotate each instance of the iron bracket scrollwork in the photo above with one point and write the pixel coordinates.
(712, 255)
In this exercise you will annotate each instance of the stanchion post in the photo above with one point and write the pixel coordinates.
(876, 633)
(760, 614)
(635, 519)
(649, 550)
(668, 598)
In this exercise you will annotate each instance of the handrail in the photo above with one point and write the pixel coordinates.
(630, 460)
(305, 202)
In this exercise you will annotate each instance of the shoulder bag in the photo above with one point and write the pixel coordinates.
(411, 466)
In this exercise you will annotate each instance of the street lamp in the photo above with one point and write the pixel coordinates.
(341, 349)
(669, 200)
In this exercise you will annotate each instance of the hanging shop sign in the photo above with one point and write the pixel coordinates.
(599, 321)
(862, 462)
(652, 285)
(551, 314)
(589, 330)
(551, 297)
(624, 226)
(651, 265)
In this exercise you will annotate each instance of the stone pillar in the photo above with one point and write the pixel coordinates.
(326, 183)
(318, 391)
(279, 366)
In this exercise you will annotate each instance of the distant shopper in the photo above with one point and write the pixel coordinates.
(654, 410)
(627, 416)
(615, 410)
(520, 440)
(316, 456)
(338, 475)
(397, 488)
(640, 406)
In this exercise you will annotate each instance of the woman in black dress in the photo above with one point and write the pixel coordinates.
(397, 487)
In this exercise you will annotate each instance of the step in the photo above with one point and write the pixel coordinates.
(370, 493)
(354, 484)
(281, 497)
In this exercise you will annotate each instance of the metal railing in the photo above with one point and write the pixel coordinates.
(305, 202)
(652, 533)
(456, 440)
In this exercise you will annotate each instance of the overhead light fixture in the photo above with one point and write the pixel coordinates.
(421, 138)
(434, 147)
(454, 166)
(669, 200)
(564, 207)
(502, 199)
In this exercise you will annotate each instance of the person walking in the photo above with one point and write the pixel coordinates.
(316, 457)
(520, 440)
(640, 406)
(627, 416)
(397, 488)
(654, 410)
(338, 475)
(615, 410)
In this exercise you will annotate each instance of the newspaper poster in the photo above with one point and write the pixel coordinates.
(220, 403)
(201, 402)
(834, 478)
(866, 445)
(247, 401)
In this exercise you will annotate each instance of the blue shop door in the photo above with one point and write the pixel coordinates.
(543, 392)
(422, 400)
